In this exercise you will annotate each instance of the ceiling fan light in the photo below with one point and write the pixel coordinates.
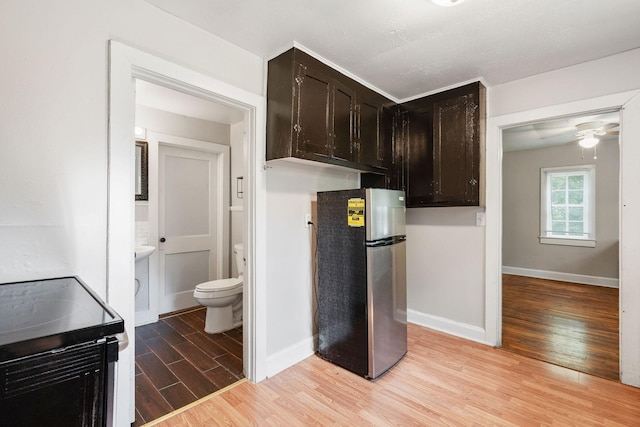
(447, 3)
(589, 141)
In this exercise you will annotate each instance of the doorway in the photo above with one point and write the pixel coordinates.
(187, 218)
(560, 241)
(629, 105)
(126, 65)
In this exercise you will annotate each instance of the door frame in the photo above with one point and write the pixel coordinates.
(125, 65)
(629, 105)
(156, 140)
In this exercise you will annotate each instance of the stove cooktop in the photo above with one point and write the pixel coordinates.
(43, 315)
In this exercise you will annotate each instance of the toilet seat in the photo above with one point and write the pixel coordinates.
(220, 285)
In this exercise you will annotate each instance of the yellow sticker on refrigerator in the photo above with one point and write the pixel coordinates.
(356, 213)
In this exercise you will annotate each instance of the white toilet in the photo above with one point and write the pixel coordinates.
(223, 299)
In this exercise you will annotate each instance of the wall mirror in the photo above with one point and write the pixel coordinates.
(142, 171)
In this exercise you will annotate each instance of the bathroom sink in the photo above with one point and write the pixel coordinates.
(143, 252)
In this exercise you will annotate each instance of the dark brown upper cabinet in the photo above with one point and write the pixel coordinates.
(367, 139)
(374, 139)
(428, 147)
(442, 138)
(316, 113)
(310, 129)
(342, 111)
(456, 149)
(418, 151)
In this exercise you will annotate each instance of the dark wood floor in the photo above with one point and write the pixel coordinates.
(178, 363)
(567, 324)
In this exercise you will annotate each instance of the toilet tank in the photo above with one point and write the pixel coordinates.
(238, 249)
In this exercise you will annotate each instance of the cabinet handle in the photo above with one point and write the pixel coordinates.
(297, 128)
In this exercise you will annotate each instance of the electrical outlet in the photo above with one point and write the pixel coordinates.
(307, 220)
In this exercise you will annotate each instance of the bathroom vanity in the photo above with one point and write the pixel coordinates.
(57, 353)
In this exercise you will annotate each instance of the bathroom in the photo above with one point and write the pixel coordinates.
(189, 151)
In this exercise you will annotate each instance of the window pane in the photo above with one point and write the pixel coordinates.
(558, 198)
(576, 214)
(576, 227)
(558, 226)
(558, 182)
(576, 197)
(566, 202)
(558, 213)
(576, 182)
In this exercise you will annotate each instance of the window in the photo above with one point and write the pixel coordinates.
(567, 205)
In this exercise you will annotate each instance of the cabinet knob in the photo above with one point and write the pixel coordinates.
(473, 182)
(162, 240)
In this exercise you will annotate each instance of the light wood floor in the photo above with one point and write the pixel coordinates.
(443, 381)
(571, 325)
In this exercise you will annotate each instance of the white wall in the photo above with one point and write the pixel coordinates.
(613, 74)
(445, 270)
(54, 109)
(237, 213)
(291, 193)
(159, 121)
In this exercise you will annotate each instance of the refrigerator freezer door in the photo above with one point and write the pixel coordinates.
(387, 306)
(385, 213)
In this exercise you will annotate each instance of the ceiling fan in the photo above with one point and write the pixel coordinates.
(588, 132)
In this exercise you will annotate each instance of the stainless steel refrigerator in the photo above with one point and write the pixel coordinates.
(361, 294)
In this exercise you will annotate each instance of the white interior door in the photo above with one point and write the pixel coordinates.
(188, 205)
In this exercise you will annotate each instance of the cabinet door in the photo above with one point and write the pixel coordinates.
(342, 117)
(368, 134)
(386, 142)
(419, 155)
(455, 168)
(311, 112)
(391, 147)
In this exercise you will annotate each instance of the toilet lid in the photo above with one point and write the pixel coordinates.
(220, 285)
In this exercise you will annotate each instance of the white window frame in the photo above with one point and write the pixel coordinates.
(589, 219)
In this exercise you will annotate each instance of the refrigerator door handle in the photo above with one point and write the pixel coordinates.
(385, 242)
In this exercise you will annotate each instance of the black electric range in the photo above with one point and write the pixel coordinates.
(43, 315)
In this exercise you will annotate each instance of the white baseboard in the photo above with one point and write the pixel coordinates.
(451, 327)
(289, 356)
(564, 277)
(145, 317)
(293, 354)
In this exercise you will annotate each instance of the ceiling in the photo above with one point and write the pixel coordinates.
(165, 99)
(559, 131)
(407, 48)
